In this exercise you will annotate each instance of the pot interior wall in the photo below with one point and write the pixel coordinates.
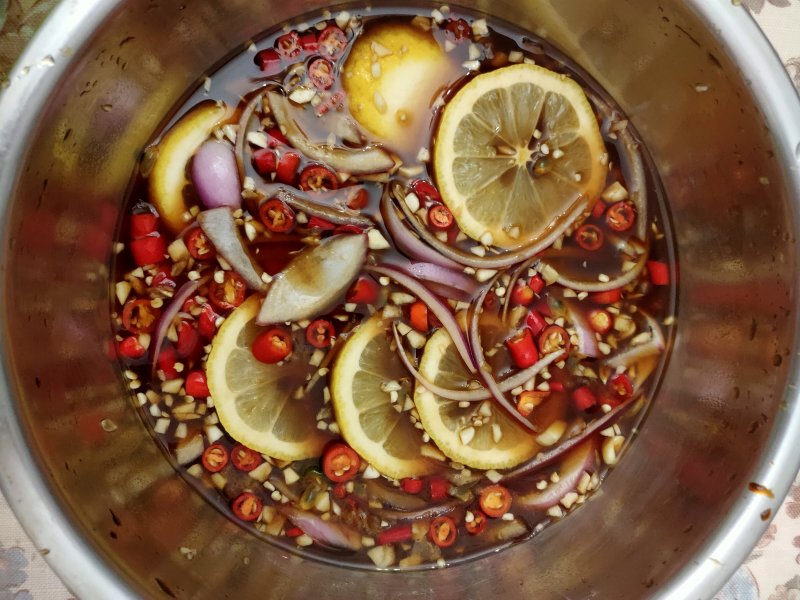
(715, 407)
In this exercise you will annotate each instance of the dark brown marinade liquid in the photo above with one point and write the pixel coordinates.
(236, 79)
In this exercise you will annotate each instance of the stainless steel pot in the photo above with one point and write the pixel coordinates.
(675, 518)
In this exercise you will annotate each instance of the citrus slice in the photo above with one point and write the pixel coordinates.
(256, 402)
(518, 149)
(362, 379)
(168, 176)
(378, 76)
(481, 435)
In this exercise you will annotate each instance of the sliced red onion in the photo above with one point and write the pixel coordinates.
(241, 134)
(216, 176)
(220, 227)
(580, 460)
(480, 361)
(476, 395)
(634, 354)
(437, 306)
(408, 243)
(603, 286)
(339, 216)
(545, 458)
(429, 512)
(587, 342)
(392, 497)
(515, 276)
(486, 262)
(330, 533)
(314, 281)
(444, 276)
(168, 316)
(358, 161)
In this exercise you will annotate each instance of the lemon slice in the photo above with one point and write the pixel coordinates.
(518, 149)
(480, 436)
(362, 379)
(256, 402)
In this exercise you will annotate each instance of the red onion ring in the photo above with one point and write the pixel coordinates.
(437, 306)
(587, 342)
(634, 354)
(241, 133)
(181, 296)
(326, 532)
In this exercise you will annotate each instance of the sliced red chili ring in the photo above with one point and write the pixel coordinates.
(320, 333)
(142, 224)
(440, 217)
(358, 200)
(443, 531)
(537, 284)
(131, 348)
(418, 316)
(320, 223)
(166, 362)
(163, 280)
(276, 138)
(269, 61)
(244, 458)
(207, 321)
(196, 384)
(320, 72)
(340, 463)
(277, 216)
(228, 294)
(265, 162)
(148, 250)
(599, 209)
(332, 42)
(395, 535)
(658, 272)
(621, 386)
(215, 458)
(288, 45)
(425, 190)
(535, 322)
(199, 246)
(554, 338)
(287, 168)
(522, 294)
(589, 237)
(188, 345)
(439, 488)
(495, 500)
(308, 41)
(316, 178)
(139, 316)
(523, 349)
(411, 485)
(584, 398)
(458, 30)
(530, 399)
(363, 291)
(600, 320)
(607, 297)
(620, 216)
(272, 346)
(478, 522)
(247, 506)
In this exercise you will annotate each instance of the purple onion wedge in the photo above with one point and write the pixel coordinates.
(328, 533)
(215, 175)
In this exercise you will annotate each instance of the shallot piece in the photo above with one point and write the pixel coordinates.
(324, 532)
(182, 295)
(315, 280)
(220, 227)
(215, 175)
(583, 459)
(358, 161)
(587, 342)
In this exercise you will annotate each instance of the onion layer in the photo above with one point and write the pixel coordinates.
(325, 532)
(168, 316)
(220, 227)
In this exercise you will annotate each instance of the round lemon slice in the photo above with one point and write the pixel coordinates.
(380, 429)
(257, 403)
(480, 436)
(517, 150)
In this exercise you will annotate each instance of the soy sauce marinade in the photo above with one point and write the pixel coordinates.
(384, 293)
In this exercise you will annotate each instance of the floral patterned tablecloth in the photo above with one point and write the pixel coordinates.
(772, 572)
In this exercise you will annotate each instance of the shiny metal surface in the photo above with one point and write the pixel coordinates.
(673, 520)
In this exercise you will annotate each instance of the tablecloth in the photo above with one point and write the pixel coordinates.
(772, 572)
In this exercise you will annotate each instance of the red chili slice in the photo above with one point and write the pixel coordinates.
(425, 190)
(143, 224)
(607, 297)
(523, 349)
(196, 384)
(477, 524)
(320, 72)
(418, 316)
(244, 458)
(207, 321)
(411, 485)
(458, 30)
(589, 237)
(332, 42)
(272, 345)
(139, 316)
(599, 209)
(188, 345)
(443, 531)
(396, 535)
(620, 216)
(363, 291)
(553, 339)
(269, 61)
(320, 333)
(276, 138)
(131, 348)
(440, 217)
(439, 488)
(658, 272)
(199, 246)
(340, 463)
(148, 250)
(358, 200)
(584, 398)
(166, 362)
(277, 216)
(320, 223)
(215, 458)
(265, 162)
(228, 294)
(621, 386)
(308, 41)
(247, 506)
(287, 168)
(537, 284)
(535, 322)
(495, 501)
(600, 320)
(522, 294)
(288, 45)
(316, 178)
